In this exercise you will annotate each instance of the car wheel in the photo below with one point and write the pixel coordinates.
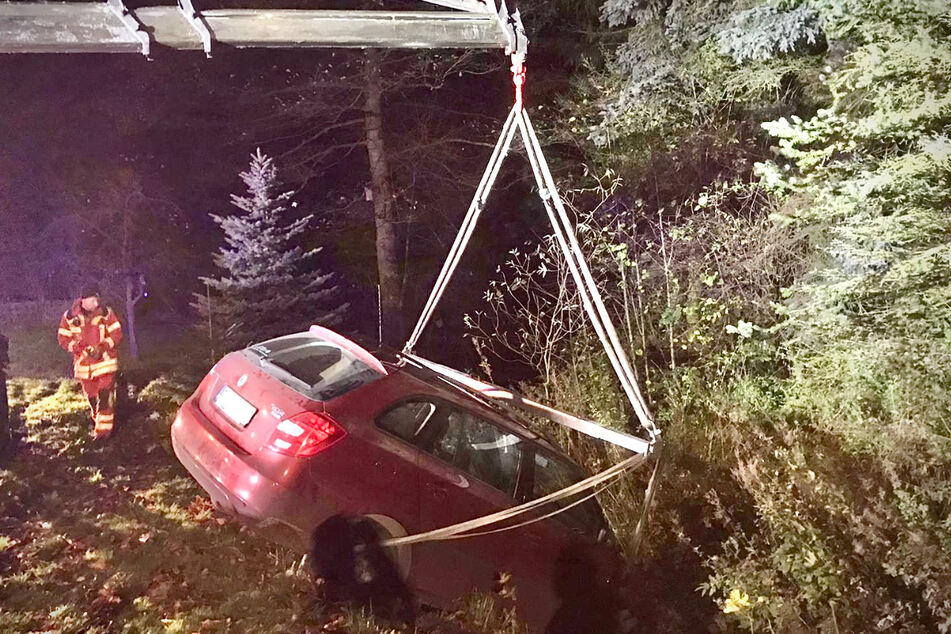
(346, 555)
(388, 528)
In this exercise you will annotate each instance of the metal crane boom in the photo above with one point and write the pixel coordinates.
(111, 27)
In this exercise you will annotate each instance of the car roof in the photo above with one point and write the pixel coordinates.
(391, 363)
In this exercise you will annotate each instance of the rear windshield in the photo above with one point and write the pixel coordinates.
(320, 369)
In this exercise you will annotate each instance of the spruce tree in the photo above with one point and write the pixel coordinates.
(270, 285)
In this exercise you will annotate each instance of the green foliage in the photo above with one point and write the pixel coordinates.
(764, 32)
(689, 64)
(793, 335)
(867, 323)
(618, 12)
(866, 331)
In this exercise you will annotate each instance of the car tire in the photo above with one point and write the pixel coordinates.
(346, 555)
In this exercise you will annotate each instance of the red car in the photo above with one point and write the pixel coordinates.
(290, 432)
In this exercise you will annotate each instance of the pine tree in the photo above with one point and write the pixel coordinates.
(269, 286)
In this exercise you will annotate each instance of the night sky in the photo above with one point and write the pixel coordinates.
(70, 122)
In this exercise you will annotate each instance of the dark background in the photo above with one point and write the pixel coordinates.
(79, 133)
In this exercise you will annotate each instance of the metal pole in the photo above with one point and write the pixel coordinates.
(211, 337)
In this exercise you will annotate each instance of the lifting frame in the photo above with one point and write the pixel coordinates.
(518, 120)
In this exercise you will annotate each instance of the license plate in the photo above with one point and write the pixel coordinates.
(234, 407)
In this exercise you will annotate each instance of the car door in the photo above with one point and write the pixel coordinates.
(377, 473)
(469, 467)
(555, 554)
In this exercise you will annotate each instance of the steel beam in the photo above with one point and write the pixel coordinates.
(95, 28)
(64, 28)
(473, 6)
(430, 29)
(197, 22)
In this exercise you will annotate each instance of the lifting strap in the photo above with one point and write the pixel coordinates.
(458, 531)
(466, 229)
(567, 241)
(511, 400)
(594, 307)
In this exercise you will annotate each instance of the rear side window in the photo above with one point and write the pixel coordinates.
(321, 370)
(460, 438)
(407, 420)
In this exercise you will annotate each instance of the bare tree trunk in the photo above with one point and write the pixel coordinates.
(384, 211)
(131, 299)
(131, 296)
(5, 439)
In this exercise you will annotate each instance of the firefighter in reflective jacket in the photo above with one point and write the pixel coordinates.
(91, 332)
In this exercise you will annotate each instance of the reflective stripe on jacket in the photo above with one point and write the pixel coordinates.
(93, 339)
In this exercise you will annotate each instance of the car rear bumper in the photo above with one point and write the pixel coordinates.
(234, 485)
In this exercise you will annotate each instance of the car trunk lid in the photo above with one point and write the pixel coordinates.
(250, 392)
(246, 404)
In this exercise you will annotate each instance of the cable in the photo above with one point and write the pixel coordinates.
(535, 519)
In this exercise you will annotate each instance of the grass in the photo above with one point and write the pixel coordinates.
(34, 352)
(112, 537)
(102, 537)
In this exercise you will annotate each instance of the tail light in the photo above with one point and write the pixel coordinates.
(305, 434)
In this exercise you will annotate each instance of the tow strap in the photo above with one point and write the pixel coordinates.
(456, 530)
